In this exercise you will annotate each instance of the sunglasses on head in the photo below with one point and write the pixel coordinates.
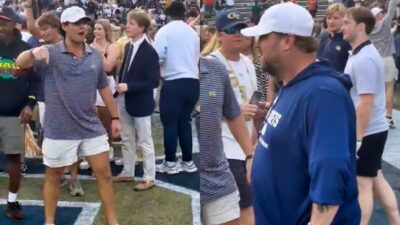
(233, 30)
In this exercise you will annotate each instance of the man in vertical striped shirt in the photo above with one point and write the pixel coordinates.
(219, 193)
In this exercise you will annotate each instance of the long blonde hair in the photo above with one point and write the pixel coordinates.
(254, 50)
(107, 29)
(213, 45)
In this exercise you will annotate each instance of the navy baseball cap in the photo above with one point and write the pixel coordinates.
(229, 18)
(9, 14)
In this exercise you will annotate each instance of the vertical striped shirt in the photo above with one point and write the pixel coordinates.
(217, 101)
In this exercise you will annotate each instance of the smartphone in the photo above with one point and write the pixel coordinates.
(256, 97)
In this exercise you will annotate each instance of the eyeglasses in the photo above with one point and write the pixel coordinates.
(233, 30)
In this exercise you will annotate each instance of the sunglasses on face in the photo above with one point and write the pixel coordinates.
(81, 22)
(233, 30)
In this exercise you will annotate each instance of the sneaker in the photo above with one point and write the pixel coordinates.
(188, 167)
(168, 167)
(13, 211)
(390, 122)
(75, 188)
(119, 162)
(84, 165)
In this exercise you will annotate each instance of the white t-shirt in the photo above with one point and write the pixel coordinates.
(365, 67)
(245, 77)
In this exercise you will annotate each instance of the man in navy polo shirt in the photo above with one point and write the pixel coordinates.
(304, 168)
(332, 46)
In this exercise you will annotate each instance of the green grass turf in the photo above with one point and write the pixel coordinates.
(155, 206)
(397, 97)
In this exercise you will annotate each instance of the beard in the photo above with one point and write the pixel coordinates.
(271, 67)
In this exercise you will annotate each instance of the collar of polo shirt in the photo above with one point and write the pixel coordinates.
(86, 49)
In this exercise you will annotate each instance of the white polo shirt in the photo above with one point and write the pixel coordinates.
(365, 67)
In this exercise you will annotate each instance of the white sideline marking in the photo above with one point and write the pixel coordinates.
(195, 195)
(86, 216)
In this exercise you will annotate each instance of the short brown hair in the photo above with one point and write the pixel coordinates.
(141, 18)
(49, 19)
(305, 44)
(362, 15)
(336, 7)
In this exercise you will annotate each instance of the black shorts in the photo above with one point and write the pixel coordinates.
(238, 169)
(370, 154)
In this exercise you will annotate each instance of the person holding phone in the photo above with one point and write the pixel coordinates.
(243, 79)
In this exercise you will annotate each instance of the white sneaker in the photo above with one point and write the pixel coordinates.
(84, 165)
(119, 161)
(75, 188)
(188, 167)
(168, 167)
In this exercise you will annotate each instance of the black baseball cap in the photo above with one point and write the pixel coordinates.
(9, 14)
(229, 18)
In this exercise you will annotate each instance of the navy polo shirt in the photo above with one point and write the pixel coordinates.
(334, 49)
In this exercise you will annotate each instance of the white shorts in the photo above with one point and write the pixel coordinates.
(221, 210)
(61, 153)
(391, 73)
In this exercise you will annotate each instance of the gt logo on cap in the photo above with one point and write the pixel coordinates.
(233, 15)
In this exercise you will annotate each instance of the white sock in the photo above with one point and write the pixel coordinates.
(12, 197)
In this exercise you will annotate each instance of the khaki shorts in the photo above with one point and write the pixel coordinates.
(391, 73)
(11, 136)
(61, 153)
(221, 210)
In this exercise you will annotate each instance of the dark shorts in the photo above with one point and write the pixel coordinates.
(238, 169)
(370, 154)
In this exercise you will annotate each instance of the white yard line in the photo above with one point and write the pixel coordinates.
(85, 217)
(195, 196)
